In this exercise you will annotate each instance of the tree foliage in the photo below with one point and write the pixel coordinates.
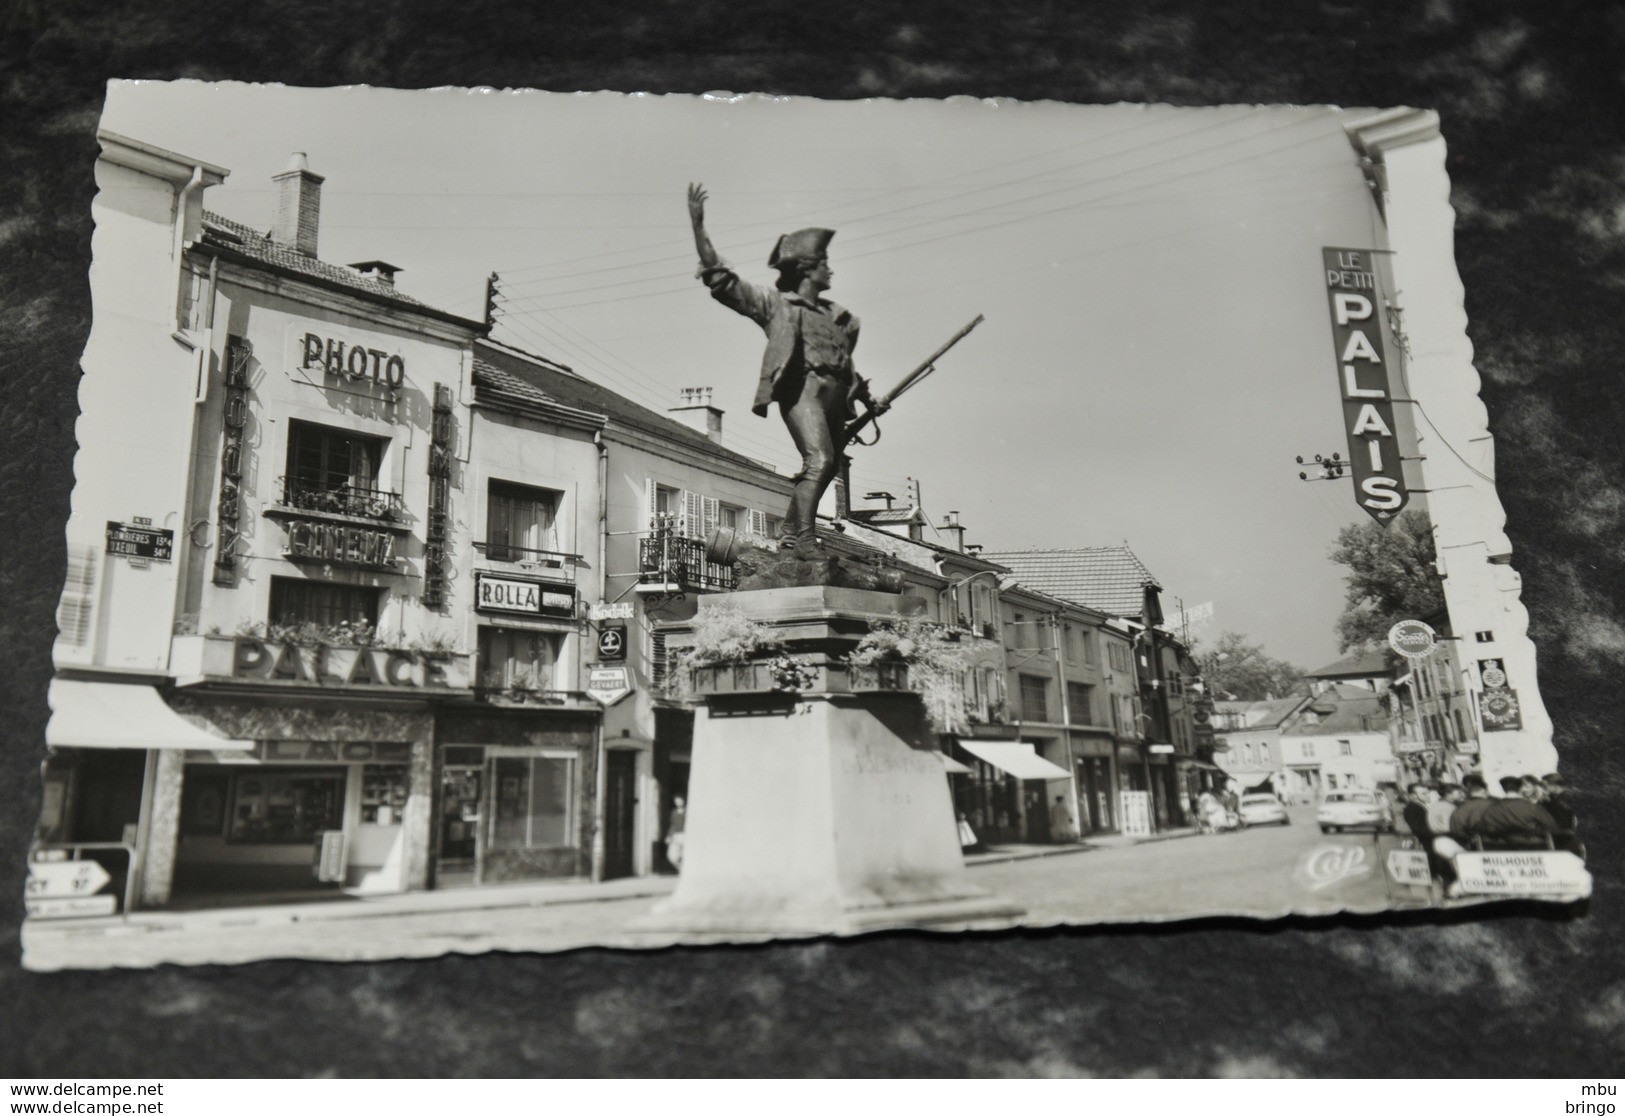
(1236, 670)
(1391, 577)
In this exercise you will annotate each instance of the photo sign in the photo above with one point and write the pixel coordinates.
(1362, 376)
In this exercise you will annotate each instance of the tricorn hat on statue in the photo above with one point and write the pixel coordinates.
(801, 244)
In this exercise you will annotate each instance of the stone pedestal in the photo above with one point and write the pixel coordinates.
(825, 809)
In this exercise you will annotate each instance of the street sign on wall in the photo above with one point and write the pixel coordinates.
(1363, 379)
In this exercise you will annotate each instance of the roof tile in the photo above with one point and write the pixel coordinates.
(1108, 578)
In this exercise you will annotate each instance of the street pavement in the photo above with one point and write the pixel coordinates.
(1264, 872)
(1261, 871)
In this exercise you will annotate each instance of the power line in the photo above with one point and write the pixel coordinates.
(664, 276)
(863, 218)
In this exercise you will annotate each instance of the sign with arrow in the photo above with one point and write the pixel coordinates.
(68, 889)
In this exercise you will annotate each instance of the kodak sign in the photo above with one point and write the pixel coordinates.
(1362, 376)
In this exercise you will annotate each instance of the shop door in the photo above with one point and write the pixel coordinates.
(461, 789)
(1037, 812)
(620, 804)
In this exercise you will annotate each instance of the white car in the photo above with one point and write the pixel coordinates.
(1263, 809)
(1341, 810)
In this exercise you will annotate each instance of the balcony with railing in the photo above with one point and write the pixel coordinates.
(556, 563)
(677, 563)
(306, 496)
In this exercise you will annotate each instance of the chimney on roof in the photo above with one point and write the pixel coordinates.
(378, 271)
(694, 409)
(298, 206)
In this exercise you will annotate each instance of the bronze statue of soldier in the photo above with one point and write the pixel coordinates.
(807, 369)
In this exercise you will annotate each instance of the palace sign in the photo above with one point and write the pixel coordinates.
(1368, 411)
(531, 598)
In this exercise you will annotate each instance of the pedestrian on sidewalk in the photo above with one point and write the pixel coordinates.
(1060, 821)
(674, 833)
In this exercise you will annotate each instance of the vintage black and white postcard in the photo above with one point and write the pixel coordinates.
(490, 533)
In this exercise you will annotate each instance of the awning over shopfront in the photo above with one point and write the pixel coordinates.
(952, 766)
(124, 715)
(1020, 760)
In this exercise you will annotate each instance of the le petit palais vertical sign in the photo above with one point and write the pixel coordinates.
(1362, 375)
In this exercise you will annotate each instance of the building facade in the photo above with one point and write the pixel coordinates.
(288, 598)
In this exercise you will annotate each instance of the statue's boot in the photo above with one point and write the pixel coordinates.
(806, 548)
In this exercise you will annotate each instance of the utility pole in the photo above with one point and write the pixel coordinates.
(1066, 718)
(491, 292)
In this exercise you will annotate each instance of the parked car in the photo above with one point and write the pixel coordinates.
(1341, 810)
(1263, 809)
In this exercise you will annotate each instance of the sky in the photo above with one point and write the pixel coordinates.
(1156, 349)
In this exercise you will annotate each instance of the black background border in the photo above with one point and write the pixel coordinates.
(1531, 105)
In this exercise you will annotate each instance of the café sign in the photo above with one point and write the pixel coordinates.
(517, 595)
(1368, 410)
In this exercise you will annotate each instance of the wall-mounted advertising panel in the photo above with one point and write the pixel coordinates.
(1362, 377)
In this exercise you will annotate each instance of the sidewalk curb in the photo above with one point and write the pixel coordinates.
(396, 906)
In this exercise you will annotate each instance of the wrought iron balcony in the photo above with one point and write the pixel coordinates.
(355, 501)
(667, 558)
(528, 556)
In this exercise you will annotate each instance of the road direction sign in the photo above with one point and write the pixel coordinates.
(1409, 867)
(87, 906)
(607, 685)
(64, 879)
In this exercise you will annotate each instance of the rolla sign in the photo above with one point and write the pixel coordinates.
(1362, 374)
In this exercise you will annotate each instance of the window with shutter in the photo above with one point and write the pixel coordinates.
(693, 515)
(758, 524)
(658, 662)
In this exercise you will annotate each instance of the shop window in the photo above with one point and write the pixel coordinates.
(534, 802)
(384, 788)
(295, 601)
(332, 470)
(1034, 698)
(203, 802)
(520, 522)
(516, 659)
(285, 808)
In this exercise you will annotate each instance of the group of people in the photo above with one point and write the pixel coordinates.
(1449, 818)
(1218, 811)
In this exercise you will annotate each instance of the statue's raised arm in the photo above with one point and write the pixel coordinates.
(696, 218)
